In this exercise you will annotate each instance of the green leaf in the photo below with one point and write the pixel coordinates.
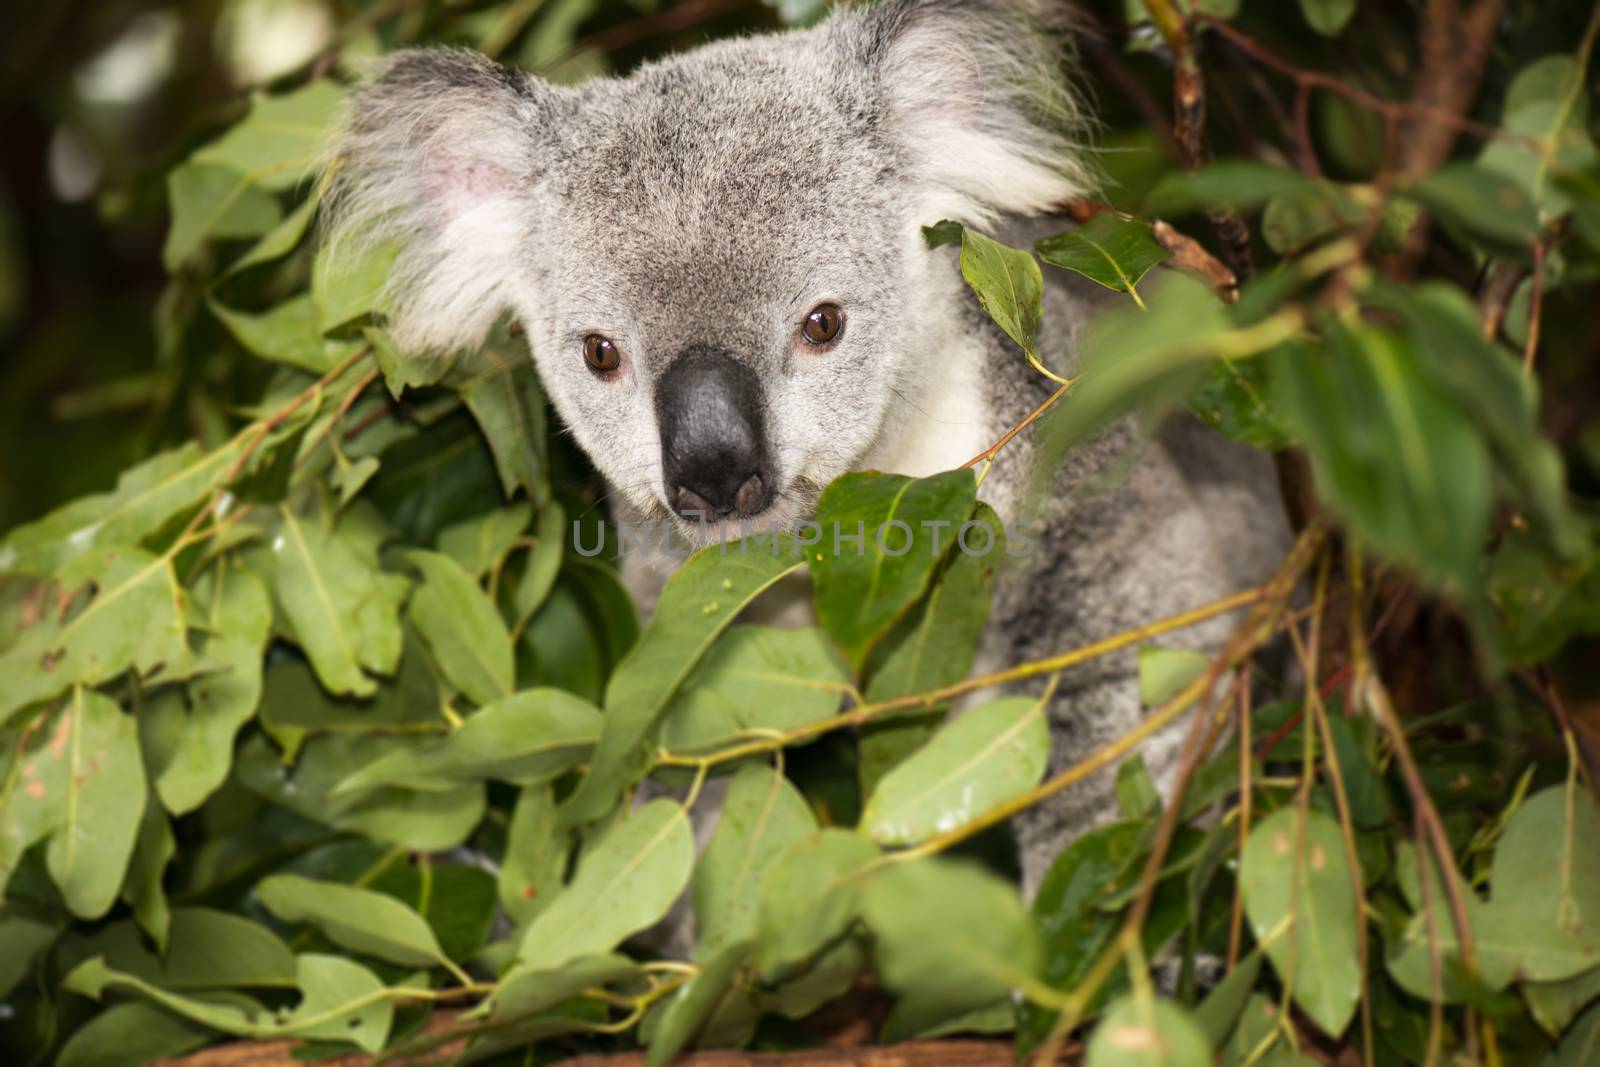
(1327, 17)
(403, 370)
(502, 391)
(950, 937)
(696, 1003)
(143, 891)
(1259, 1026)
(289, 333)
(762, 815)
(340, 1001)
(463, 629)
(698, 603)
(527, 738)
(1555, 1004)
(1578, 1045)
(1164, 672)
(1147, 1032)
(338, 607)
(146, 498)
(933, 646)
(625, 883)
(1396, 459)
(975, 763)
(1007, 281)
(905, 527)
(83, 788)
(1233, 400)
(1546, 884)
(535, 858)
(1136, 790)
(1479, 200)
(209, 200)
(1077, 924)
(526, 991)
(1133, 357)
(1221, 1008)
(278, 144)
(209, 712)
(280, 240)
(1240, 184)
(1113, 251)
(809, 896)
(755, 678)
(358, 919)
(1546, 102)
(347, 280)
(420, 821)
(132, 618)
(132, 1034)
(544, 561)
(26, 930)
(481, 542)
(1297, 871)
(1294, 220)
(456, 899)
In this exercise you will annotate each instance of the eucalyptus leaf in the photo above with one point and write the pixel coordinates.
(810, 894)
(973, 764)
(358, 919)
(698, 603)
(1112, 251)
(462, 627)
(624, 884)
(883, 536)
(1294, 870)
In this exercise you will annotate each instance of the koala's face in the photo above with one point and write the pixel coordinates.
(717, 260)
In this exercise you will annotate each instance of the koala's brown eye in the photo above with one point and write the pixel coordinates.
(601, 353)
(822, 325)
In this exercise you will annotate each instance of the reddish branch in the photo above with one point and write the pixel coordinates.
(909, 1054)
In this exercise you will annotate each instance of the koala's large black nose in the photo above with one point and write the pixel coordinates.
(713, 442)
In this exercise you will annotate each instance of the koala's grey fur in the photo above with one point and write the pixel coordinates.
(714, 198)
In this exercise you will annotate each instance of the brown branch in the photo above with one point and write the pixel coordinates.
(1535, 305)
(1189, 127)
(971, 1053)
(1454, 45)
(1190, 255)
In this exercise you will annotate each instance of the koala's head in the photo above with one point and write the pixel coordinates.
(717, 259)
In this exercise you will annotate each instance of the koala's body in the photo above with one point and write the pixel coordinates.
(719, 266)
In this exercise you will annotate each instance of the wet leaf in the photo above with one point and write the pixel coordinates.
(973, 764)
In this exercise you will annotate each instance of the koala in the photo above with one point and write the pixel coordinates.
(719, 264)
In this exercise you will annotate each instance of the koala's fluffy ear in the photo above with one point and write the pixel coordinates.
(438, 154)
(979, 100)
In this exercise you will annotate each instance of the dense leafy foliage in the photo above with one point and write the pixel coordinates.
(319, 725)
